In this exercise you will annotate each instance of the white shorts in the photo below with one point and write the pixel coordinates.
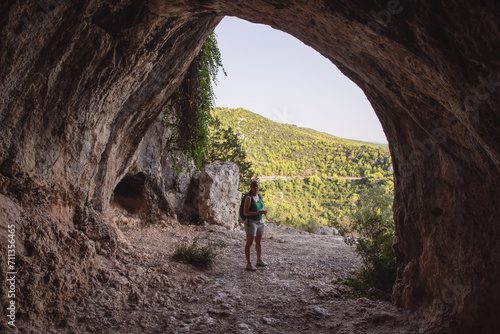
(254, 227)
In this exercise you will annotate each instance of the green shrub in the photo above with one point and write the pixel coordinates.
(373, 225)
(199, 256)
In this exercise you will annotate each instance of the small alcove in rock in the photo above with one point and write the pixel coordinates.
(129, 194)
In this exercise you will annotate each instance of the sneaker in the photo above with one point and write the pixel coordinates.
(251, 267)
(260, 263)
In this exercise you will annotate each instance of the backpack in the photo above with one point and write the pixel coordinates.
(242, 216)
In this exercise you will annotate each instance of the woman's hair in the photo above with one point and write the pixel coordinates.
(253, 181)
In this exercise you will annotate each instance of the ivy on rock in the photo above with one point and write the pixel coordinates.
(188, 112)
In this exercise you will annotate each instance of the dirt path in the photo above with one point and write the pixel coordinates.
(147, 292)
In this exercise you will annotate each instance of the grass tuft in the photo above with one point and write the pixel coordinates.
(199, 256)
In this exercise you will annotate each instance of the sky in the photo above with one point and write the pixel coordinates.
(277, 76)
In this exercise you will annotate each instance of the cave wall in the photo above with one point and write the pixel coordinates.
(82, 81)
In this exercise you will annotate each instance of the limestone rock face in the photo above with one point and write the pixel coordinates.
(219, 198)
(151, 185)
(81, 82)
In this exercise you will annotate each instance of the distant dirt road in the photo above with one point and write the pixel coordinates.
(276, 177)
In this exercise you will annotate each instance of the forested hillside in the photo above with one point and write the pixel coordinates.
(308, 178)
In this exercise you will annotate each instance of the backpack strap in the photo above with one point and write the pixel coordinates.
(248, 219)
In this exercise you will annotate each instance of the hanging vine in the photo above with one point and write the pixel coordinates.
(188, 112)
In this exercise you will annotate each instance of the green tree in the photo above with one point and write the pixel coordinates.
(226, 146)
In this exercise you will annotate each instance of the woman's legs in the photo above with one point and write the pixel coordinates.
(258, 246)
(248, 245)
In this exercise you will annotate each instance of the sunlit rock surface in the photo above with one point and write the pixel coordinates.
(219, 198)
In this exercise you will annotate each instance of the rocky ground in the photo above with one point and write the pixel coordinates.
(146, 291)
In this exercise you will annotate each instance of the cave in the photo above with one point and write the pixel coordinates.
(82, 82)
(130, 195)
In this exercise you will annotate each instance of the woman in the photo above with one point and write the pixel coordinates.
(252, 209)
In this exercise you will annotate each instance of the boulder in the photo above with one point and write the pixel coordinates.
(327, 230)
(218, 197)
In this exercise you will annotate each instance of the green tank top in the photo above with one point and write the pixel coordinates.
(254, 207)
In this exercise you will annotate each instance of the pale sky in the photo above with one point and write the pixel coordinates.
(277, 76)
